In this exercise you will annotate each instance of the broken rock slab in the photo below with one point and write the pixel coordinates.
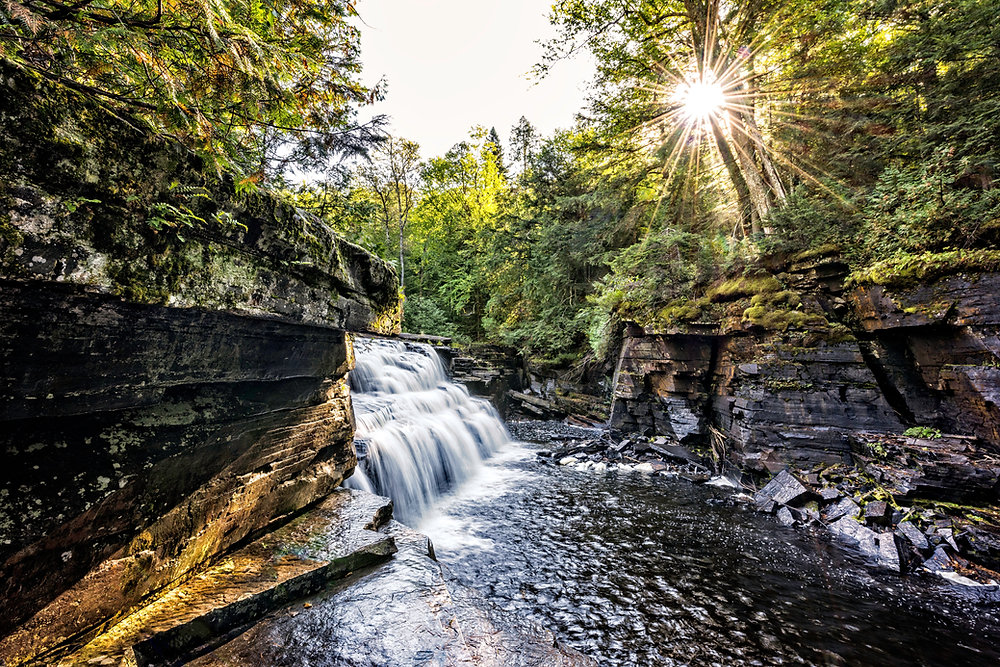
(784, 489)
(913, 535)
(845, 507)
(880, 547)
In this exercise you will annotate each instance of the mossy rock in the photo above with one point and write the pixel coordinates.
(911, 269)
(742, 287)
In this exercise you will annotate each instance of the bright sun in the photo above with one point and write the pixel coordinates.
(701, 100)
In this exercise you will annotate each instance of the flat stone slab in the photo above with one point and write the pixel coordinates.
(784, 489)
(402, 612)
(297, 560)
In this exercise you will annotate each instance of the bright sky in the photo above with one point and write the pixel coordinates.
(453, 64)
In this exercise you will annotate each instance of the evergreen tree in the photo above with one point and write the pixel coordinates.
(252, 85)
(523, 144)
(493, 141)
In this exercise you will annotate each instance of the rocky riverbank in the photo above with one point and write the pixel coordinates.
(892, 506)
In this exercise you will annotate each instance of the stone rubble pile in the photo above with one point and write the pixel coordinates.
(897, 537)
(656, 456)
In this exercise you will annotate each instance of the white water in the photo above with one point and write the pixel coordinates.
(419, 433)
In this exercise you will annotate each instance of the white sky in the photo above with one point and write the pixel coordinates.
(453, 64)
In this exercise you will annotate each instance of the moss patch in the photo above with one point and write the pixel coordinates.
(777, 311)
(742, 287)
(908, 270)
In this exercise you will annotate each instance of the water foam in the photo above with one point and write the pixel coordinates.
(419, 434)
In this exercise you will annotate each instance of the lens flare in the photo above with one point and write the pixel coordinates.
(701, 100)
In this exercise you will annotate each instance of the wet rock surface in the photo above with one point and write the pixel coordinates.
(890, 535)
(300, 558)
(597, 450)
(404, 612)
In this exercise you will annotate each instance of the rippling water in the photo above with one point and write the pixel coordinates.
(639, 570)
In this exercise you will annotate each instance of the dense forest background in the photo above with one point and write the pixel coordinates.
(865, 127)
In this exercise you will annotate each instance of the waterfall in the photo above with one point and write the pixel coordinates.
(418, 434)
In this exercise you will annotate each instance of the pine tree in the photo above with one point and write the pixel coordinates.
(494, 145)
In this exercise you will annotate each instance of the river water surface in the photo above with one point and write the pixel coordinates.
(644, 570)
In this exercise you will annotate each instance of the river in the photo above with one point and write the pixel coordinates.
(641, 570)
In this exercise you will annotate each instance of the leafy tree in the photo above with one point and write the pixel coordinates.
(392, 178)
(252, 84)
(462, 195)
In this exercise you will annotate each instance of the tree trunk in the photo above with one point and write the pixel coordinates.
(401, 270)
(760, 197)
(742, 191)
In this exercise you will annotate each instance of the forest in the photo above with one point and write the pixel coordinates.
(718, 137)
(868, 128)
(709, 376)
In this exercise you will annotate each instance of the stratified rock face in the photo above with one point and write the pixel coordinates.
(88, 197)
(144, 440)
(172, 362)
(661, 385)
(802, 403)
(929, 355)
(763, 392)
(949, 332)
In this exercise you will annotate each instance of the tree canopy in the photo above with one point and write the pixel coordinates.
(254, 85)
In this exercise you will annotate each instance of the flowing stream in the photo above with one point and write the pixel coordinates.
(638, 570)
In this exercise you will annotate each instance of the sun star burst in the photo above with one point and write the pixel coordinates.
(701, 100)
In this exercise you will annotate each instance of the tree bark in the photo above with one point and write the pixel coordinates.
(735, 175)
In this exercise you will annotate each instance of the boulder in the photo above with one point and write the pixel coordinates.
(767, 507)
(829, 493)
(939, 562)
(913, 535)
(785, 517)
(889, 554)
(878, 513)
(784, 489)
(845, 507)
(849, 528)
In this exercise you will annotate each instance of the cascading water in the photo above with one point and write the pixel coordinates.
(418, 433)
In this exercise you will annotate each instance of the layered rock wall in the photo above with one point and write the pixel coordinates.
(925, 355)
(172, 362)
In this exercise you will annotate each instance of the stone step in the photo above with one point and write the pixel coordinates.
(297, 560)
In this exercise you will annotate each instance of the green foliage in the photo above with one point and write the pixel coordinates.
(877, 449)
(880, 120)
(425, 316)
(922, 432)
(249, 84)
(813, 221)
